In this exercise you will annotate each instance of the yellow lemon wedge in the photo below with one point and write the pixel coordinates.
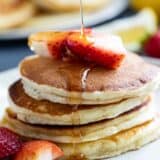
(133, 30)
(140, 4)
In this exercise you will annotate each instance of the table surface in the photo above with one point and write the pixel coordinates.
(12, 52)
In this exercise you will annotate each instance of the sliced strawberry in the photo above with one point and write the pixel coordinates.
(47, 43)
(107, 51)
(39, 150)
(10, 143)
(50, 43)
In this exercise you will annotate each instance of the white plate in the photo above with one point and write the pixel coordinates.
(150, 151)
(66, 21)
(155, 61)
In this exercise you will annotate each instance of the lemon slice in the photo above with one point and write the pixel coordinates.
(133, 30)
(140, 4)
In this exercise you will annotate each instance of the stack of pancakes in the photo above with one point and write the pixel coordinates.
(89, 111)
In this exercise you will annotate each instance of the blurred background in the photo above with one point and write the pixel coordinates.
(135, 21)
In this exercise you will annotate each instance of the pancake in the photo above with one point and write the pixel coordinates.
(114, 145)
(128, 140)
(33, 111)
(68, 83)
(15, 12)
(70, 5)
(9, 5)
(84, 133)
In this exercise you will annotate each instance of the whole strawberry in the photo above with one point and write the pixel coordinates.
(10, 143)
(152, 46)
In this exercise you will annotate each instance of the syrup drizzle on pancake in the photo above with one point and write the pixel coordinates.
(77, 157)
(75, 114)
(83, 78)
(76, 117)
(80, 77)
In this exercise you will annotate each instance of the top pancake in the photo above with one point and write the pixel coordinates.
(134, 73)
(65, 77)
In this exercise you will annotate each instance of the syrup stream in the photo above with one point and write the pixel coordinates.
(75, 114)
(82, 20)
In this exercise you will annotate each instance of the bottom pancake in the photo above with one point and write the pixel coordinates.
(79, 134)
(122, 142)
(117, 144)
